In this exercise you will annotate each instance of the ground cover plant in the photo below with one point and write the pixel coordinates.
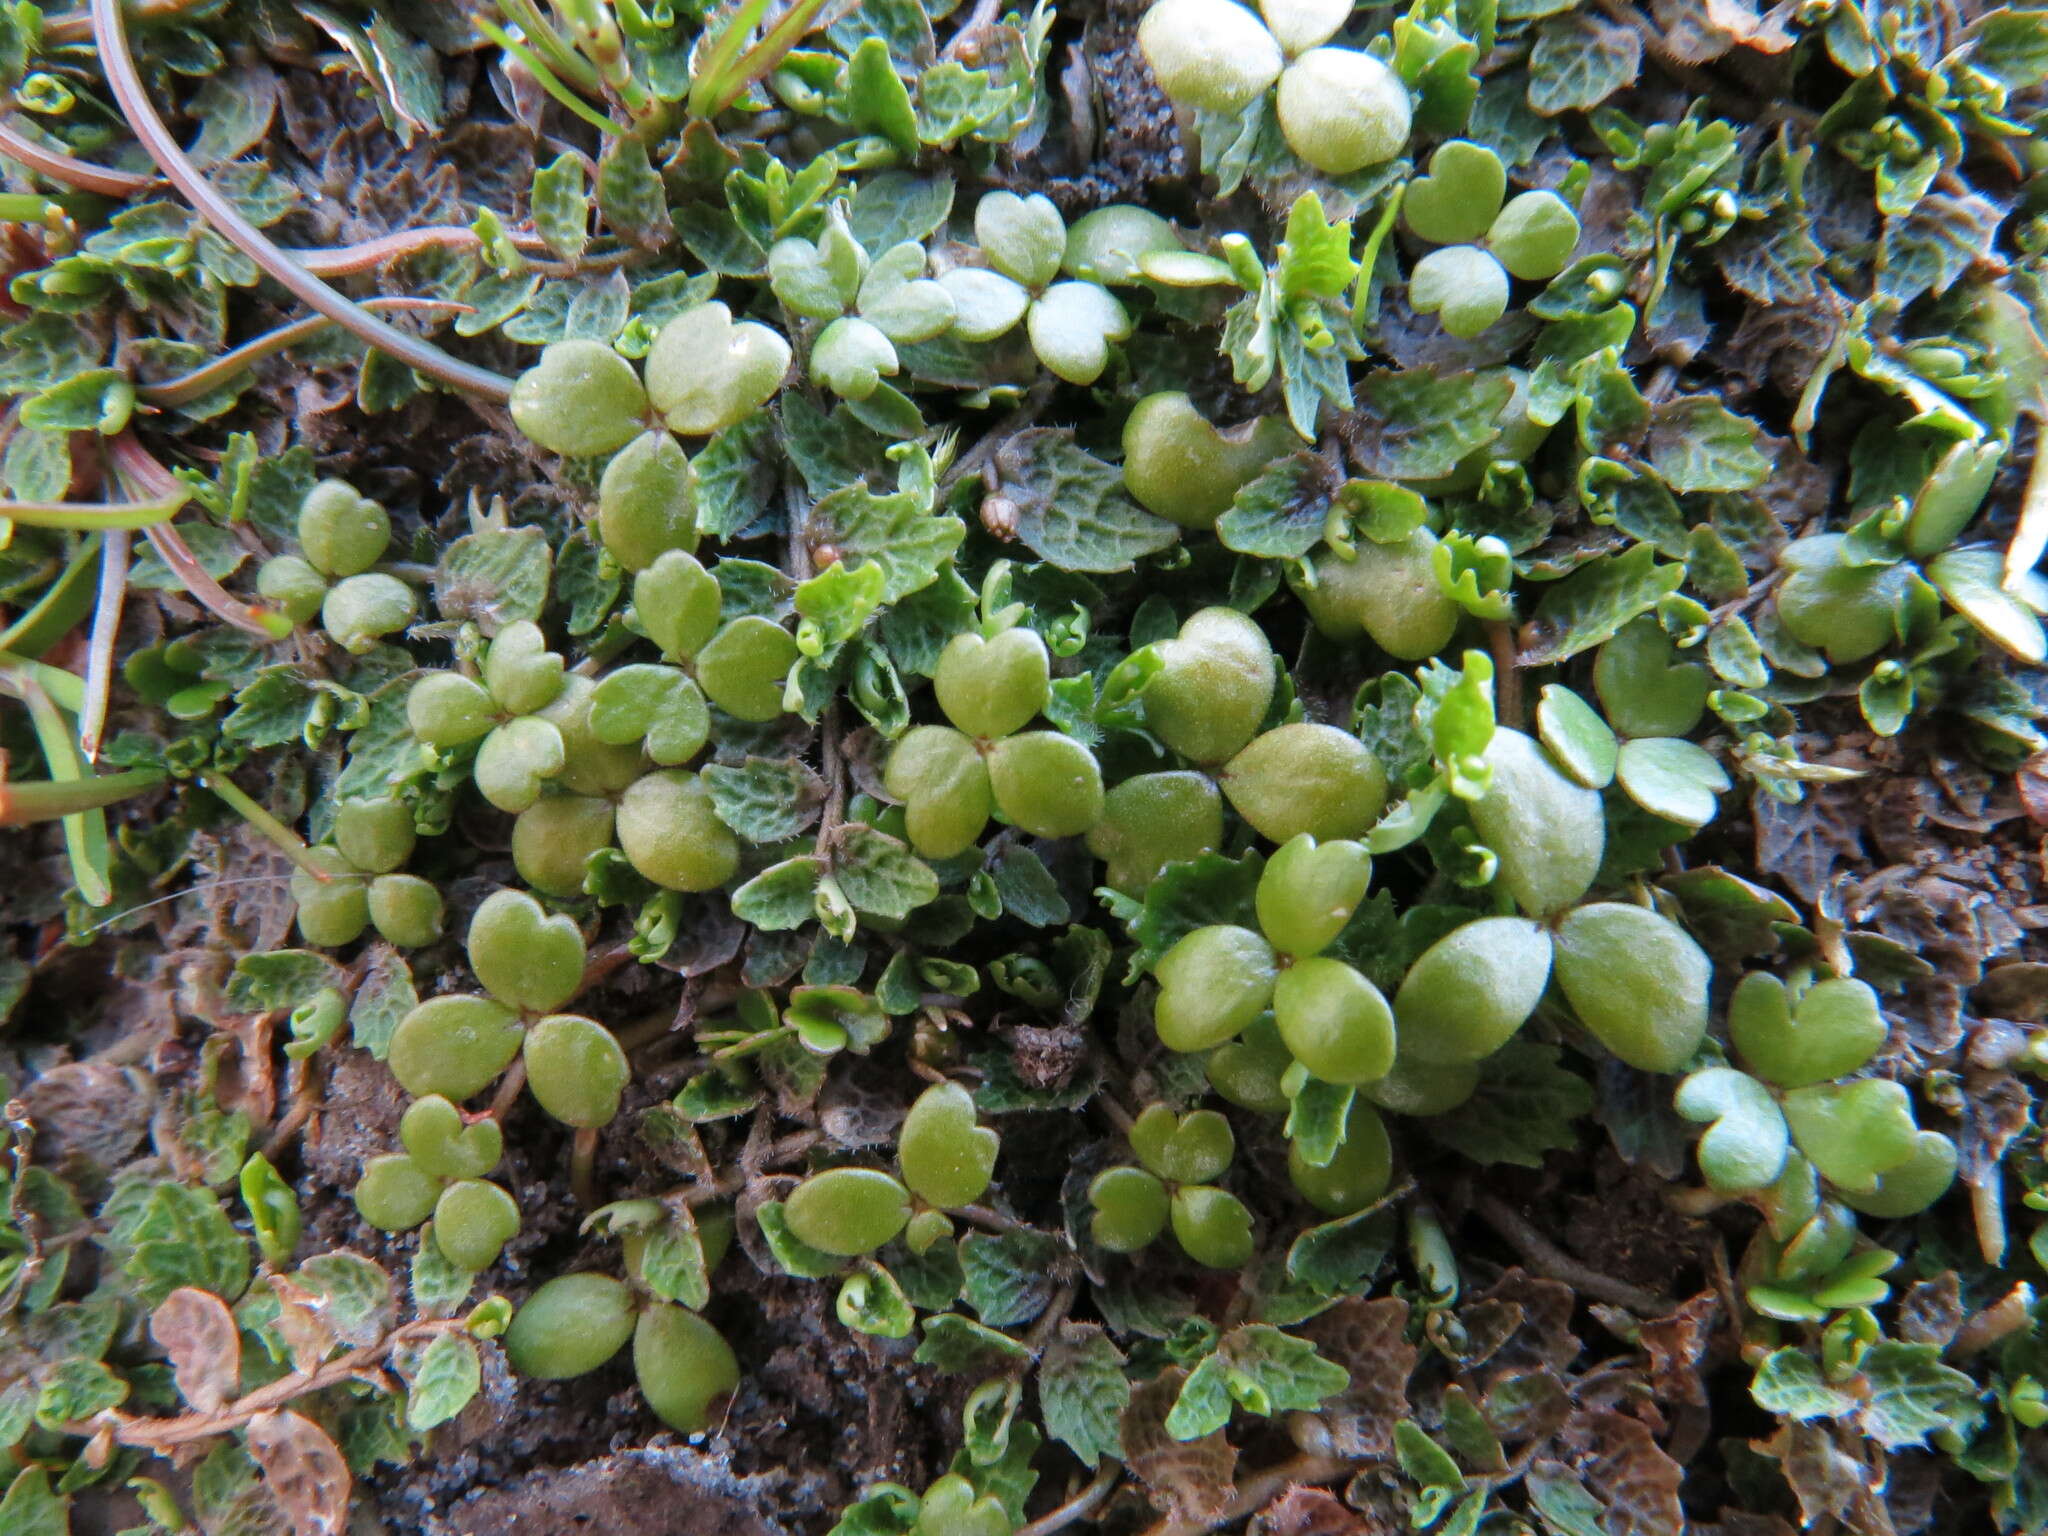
(928, 770)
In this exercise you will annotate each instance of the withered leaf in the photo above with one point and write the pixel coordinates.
(1367, 1338)
(1189, 1480)
(197, 1331)
(304, 1471)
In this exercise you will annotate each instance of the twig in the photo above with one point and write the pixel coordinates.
(1079, 1507)
(110, 33)
(162, 1434)
(1552, 1262)
(190, 386)
(72, 172)
(106, 626)
(172, 549)
(1507, 676)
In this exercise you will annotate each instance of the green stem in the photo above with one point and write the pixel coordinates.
(761, 60)
(545, 76)
(210, 376)
(67, 600)
(597, 36)
(65, 687)
(288, 842)
(110, 32)
(46, 800)
(562, 59)
(707, 81)
(85, 830)
(93, 516)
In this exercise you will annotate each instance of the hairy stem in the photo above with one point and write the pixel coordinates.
(1080, 1506)
(110, 33)
(163, 1434)
(1553, 1263)
(288, 842)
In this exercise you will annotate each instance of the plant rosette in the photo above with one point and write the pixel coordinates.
(1483, 237)
(1340, 110)
(1071, 322)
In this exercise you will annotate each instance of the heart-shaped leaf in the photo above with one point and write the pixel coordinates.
(1335, 1022)
(1212, 984)
(1672, 778)
(939, 776)
(1462, 286)
(522, 674)
(656, 704)
(706, 372)
(473, 1221)
(1130, 1209)
(515, 760)
(1183, 1149)
(1744, 1146)
(1912, 1186)
(1024, 237)
(1834, 1028)
(1637, 981)
(1308, 892)
(1456, 203)
(1072, 325)
(444, 1146)
(1535, 235)
(579, 400)
(1577, 737)
(1180, 465)
(524, 957)
(851, 357)
(1643, 688)
(818, 281)
(676, 602)
(454, 1046)
(395, 1194)
(743, 667)
(992, 688)
(946, 1155)
(900, 301)
(1852, 1132)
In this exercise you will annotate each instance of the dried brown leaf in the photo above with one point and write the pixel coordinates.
(1306, 1512)
(1931, 1311)
(1675, 1345)
(197, 1331)
(1367, 1338)
(304, 1471)
(1189, 1480)
(1544, 1334)
(1628, 1470)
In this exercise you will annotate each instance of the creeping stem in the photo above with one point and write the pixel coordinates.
(110, 32)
